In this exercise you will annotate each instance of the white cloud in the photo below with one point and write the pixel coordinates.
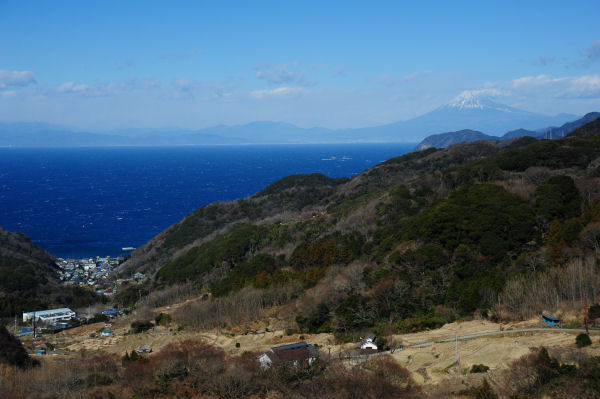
(100, 89)
(414, 75)
(15, 78)
(283, 74)
(72, 87)
(280, 92)
(94, 90)
(8, 94)
(571, 87)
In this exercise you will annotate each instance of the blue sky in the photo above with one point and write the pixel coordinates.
(101, 65)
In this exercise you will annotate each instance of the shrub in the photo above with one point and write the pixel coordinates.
(485, 391)
(98, 379)
(479, 368)
(558, 198)
(98, 318)
(12, 351)
(583, 340)
(174, 370)
(163, 319)
(141, 326)
(594, 311)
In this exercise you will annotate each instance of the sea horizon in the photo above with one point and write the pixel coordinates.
(82, 202)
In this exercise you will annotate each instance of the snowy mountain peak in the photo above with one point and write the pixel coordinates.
(477, 99)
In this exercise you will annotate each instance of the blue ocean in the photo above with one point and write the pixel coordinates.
(84, 202)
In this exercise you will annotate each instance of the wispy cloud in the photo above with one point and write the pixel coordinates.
(79, 88)
(384, 80)
(14, 79)
(593, 52)
(335, 70)
(567, 87)
(543, 60)
(100, 89)
(587, 57)
(183, 88)
(288, 74)
(278, 93)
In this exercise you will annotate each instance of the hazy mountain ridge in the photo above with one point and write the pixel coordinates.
(444, 140)
(467, 111)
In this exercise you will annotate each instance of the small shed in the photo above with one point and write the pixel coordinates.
(368, 342)
(143, 349)
(110, 312)
(24, 332)
(552, 321)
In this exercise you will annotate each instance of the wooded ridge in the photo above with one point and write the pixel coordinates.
(423, 239)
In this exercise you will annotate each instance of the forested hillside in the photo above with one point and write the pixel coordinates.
(28, 278)
(421, 239)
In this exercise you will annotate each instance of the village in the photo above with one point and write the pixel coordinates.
(445, 355)
(37, 326)
(94, 273)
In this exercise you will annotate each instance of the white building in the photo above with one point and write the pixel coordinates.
(368, 342)
(49, 316)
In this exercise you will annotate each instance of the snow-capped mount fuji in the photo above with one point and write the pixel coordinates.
(477, 100)
(478, 111)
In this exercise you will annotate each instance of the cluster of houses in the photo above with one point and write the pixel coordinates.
(91, 272)
(95, 273)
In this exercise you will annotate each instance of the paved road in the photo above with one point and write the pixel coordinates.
(351, 355)
(484, 334)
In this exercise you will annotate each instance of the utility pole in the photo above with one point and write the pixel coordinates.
(587, 324)
(456, 354)
(500, 312)
(391, 336)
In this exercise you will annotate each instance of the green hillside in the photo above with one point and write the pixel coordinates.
(423, 238)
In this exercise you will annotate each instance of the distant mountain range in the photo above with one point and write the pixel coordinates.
(444, 140)
(467, 111)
